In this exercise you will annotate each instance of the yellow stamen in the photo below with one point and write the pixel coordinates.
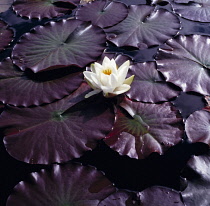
(107, 71)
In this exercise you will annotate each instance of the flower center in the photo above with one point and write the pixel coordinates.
(107, 71)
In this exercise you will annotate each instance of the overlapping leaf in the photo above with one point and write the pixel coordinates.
(145, 129)
(56, 132)
(185, 62)
(57, 44)
(71, 184)
(197, 10)
(42, 9)
(6, 35)
(144, 25)
(148, 85)
(17, 88)
(154, 196)
(197, 191)
(5, 4)
(198, 127)
(103, 13)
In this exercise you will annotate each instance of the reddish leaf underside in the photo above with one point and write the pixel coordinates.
(197, 191)
(102, 13)
(6, 35)
(196, 10)
(71, 184)
(148, 85)
(145, 128)
(42, 9)
(59, 44)
(56, 132)
(153, 196)
(5, 5)
(18, 89)
(143, 25)
(185, 62)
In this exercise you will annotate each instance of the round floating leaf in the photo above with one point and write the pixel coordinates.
(147, 128)
(31, 89)
(160, 196)
(120, 198)
(69, 185)
(5, 5)
(144, 25)
(185, 62)
(197, 191)
(148, 85)
(154, 196)
(57, 44)
(44, 8)
(102, 13)
(196, 10)
(56, 132)
(198, 127)
(6, 35)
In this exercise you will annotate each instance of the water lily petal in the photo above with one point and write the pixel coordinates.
(121, 89)
(129, 80)
(96, 91)
(113, 80)
(122, 71)
(106, 62)
(113, 65)
(98, 66)
(107, 89)
(92, 79)
(104, 79)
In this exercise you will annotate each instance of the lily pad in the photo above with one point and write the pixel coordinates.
(31, 89)
(144, 25)
(61, 186)
(154, 196)
(185, 62)
(43, 9)
(197, 191)
(197, 127)
(6, 35)
(148, 85)
(145, 128)
(196, 10)
(5, 5)
(103, 13)
(59, 44)
(56, 132)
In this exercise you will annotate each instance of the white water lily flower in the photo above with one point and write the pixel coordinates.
(108, 78)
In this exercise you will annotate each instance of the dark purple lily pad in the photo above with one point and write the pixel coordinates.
(145, 129)
(197, 127)
(6, 35)
(144, 25)
(30, 91)
(197, 191)
(42, 9)
(103, 13)
(154, 196)
(61, 186)
(58, 44)
(148, 85)
(56, 132)
(196, 10)
(185, 62)
(5, 5)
